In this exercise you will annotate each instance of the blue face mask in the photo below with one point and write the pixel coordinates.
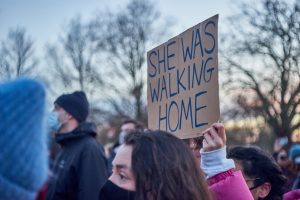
(53, 121)
(122, 137)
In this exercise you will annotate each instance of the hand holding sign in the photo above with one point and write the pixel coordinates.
(214, 137)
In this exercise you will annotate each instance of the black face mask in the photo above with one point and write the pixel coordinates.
(110, 191)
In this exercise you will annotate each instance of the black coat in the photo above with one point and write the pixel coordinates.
(80, 168)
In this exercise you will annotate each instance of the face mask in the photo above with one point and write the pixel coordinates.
(110, 191)
(53, 121)
(122, 137)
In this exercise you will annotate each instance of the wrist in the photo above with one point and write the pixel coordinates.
(211, 149)
(215, 162)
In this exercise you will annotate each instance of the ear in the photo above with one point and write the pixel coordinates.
(263, 190)
(69, 116)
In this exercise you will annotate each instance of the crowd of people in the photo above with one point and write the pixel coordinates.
(143, 164)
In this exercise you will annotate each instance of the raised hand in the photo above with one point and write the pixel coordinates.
(214, 137)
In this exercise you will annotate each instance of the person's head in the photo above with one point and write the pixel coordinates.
(23, 139)
(262, 174)
(128, 126)
(195, 145)
(282, 158)
(294, 153)
(156, 165)
(71, 110)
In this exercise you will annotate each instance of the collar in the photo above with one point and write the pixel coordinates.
(83, 130)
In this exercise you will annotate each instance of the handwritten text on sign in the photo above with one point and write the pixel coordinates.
(183, 91)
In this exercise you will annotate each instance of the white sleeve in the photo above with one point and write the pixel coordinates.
(215, 162)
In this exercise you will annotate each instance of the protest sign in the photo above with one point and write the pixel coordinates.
(182, 81)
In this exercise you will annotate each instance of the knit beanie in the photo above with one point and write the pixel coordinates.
(294, 151)
(23, 149)
(76, 104)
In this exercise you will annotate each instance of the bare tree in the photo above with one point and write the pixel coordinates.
(262, 62)
(17, 55)
(74, 60)
(128, 34)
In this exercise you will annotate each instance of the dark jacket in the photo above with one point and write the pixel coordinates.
(80, 168)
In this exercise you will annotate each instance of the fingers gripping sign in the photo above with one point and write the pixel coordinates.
(214, 137)
(213, 153)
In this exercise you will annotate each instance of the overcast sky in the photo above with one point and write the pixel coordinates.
(44, 19)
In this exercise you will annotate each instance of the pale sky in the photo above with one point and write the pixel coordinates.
(44, 19)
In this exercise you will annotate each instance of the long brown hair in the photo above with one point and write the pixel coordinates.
(164, 168)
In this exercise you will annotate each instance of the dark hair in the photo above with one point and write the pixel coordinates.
(164, 168)
(198, 142)
(258, 164)
(138, 125)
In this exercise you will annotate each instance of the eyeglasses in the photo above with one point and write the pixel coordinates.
(257, 182)
(197, 143)
(282, 157)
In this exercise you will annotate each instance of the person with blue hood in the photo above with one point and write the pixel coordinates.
(80, 168)
(294, 154)
(23, 139)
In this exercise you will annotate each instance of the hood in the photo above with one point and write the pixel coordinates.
(84, 129)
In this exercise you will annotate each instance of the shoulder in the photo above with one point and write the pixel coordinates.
(221, 186)
(292, 195)
(89, 145)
